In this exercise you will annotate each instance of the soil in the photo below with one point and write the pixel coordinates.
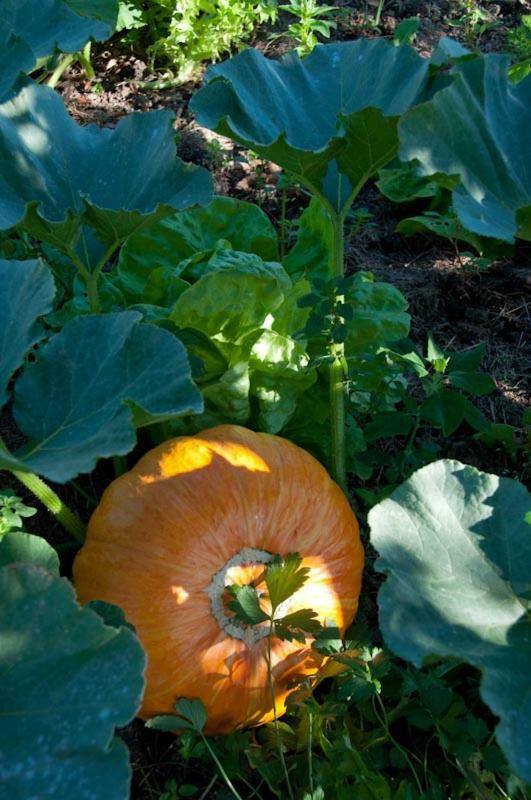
(459, 305)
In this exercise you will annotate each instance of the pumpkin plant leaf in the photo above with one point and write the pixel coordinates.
(360, 88)
(67, 680)
(56, 183)
(284, 577)
(102, 376)
(98, 379)
(246, 605)
(26, 292)
(456, 549)
(477, 128)
(18, 546)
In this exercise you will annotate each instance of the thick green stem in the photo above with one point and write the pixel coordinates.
(92, 278)
(338, 368)
(92, 293)
(64, 515)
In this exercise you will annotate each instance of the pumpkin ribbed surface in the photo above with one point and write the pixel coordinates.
(198, 513)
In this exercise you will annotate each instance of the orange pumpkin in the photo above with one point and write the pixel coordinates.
(199, 513)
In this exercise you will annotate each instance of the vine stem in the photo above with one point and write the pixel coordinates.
(275, 717)
(91, 278)
(64, 515)
(338, 367)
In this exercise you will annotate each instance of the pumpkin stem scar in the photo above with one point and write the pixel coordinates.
(247, 556)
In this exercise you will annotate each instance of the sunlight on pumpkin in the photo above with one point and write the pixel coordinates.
(197, 454)
(180, 594)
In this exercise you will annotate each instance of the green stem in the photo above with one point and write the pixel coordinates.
(64, 515)
(91, 278)
(60, 68)
(283, 237)
(219, 765)
(338, 367)
(379, 10)
(273, 699)
(86, 63)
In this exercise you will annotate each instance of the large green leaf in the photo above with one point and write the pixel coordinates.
(457, 552)
(66, 681)
(96, 380)
(90, 385)
(26, 292)
(30, 29)
(330, 118)
(165, 245)
(478, 128)
(57, 176)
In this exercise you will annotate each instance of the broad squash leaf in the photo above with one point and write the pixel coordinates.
(57, 176)
(90, 385)
(26, 293)
(330, 119)
(478, 129)
(456, 549)
(66, 681)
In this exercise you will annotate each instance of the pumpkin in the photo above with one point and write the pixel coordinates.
(202, 512)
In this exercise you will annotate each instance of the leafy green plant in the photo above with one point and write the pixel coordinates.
(12, 512)
(406, 31)
(186, 33)
(313, 19)
(519, 41)
(454, 543)
(474, 22)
